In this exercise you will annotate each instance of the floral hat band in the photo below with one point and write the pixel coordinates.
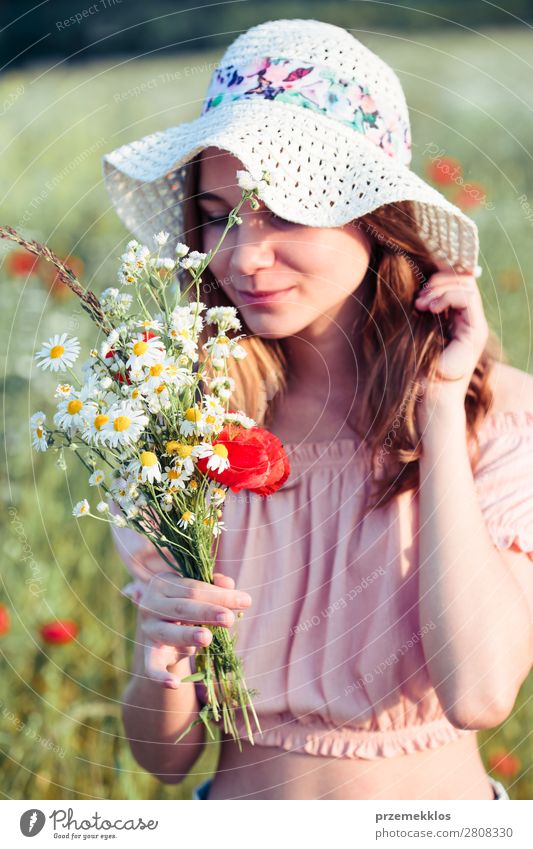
(316, 87)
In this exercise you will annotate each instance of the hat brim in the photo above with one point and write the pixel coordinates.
(323, 174)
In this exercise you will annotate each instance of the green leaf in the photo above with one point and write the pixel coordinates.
(196, 676)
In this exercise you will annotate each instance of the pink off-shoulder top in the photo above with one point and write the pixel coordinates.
(333, 639)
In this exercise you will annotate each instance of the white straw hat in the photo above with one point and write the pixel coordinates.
(326, 117)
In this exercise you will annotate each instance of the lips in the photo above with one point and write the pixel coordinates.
(263, 296)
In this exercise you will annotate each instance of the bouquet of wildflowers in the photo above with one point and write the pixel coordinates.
(148, 417)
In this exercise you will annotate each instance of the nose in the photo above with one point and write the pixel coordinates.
(254, 247)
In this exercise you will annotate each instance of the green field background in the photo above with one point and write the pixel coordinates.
(61, 735)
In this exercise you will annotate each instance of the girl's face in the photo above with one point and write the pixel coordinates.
(282, 277)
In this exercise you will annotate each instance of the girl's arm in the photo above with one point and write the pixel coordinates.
(154, 716)
(481, 649)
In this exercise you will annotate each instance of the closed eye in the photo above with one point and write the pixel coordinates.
(222, 219)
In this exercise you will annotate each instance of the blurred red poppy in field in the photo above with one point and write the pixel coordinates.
(49, 275)
(59, 632)
(444, 170)
(21, 263)
(5, 621)
(470, 195)
(257, 459)
(504, 763)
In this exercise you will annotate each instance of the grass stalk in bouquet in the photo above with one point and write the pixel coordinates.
(149, 419)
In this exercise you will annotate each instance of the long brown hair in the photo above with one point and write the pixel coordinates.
(398, 346)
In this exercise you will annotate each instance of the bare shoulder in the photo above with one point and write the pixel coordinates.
(512, 388)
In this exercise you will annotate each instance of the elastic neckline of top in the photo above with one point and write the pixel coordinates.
(496, 416)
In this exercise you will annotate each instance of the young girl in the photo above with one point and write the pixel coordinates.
(387, 587)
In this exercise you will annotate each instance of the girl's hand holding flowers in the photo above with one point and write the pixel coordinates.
(458, 292)
(150, 421)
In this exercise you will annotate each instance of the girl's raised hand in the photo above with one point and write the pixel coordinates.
(449, 289)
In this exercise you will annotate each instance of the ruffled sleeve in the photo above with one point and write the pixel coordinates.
(139, 556)
(504, 478)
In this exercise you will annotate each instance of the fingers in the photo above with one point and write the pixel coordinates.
(184, 610)
(156, 660)
(179, 636)
(223, 580)
(456, 298)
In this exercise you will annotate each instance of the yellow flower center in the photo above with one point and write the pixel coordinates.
(186, 516)
(223, 340)
(74, 407)
(57, 351)
(156, 369)
(193, 414)
(100, 420)
(220, 450)
(219, 493)
(39, 432)
(210, 419)
(172, 474)
(161, 388)
(172, 446)
(183, 450)
(121, 423)
(135, 393)
(148, 458)
(140, 348)
(193, 485)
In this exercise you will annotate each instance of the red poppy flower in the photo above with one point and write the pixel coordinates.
(504, 763)
(5, 621)
(444, 170)
(257, 458)
(21, 263)
(59, 632)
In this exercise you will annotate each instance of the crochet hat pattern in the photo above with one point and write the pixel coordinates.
(324, 115)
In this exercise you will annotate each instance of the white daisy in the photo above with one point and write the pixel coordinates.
(252, 183)
(161, 238)
(146, 467)
(124, 426)
(59, 353)
(145, 351)
(181, 249)
(224, 317)
(194, 260)
(73, 413)
(119, 521)
(81, 509)
(192, 422)
(38, 431)
(216, 495)
(97, 478)
(222, 387)
(218, 455)
(217, 528)
(187, 518)
(102, 507)
(239, 418)
(218, 346)
(63, 390)
(176, 477)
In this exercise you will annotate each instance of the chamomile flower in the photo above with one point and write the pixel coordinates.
(82, 508)
(59, 353)
(217, 528)
(150, 324)
(219, 347)
(161, 238)
(191, 423)
(97, 478)
(73, 413)
(145, 351)
(224, 317)
(252, 183)
(176, 477)
(181, 249)
(193, 260)
(146, 467)
(187, 518)
(217, 454)
(38, 431)
(239, 418)
(216, 495)
(222, 387)
(167, 501)
(124, 426)
(63, 390)
(102, 507)
(165, 262)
